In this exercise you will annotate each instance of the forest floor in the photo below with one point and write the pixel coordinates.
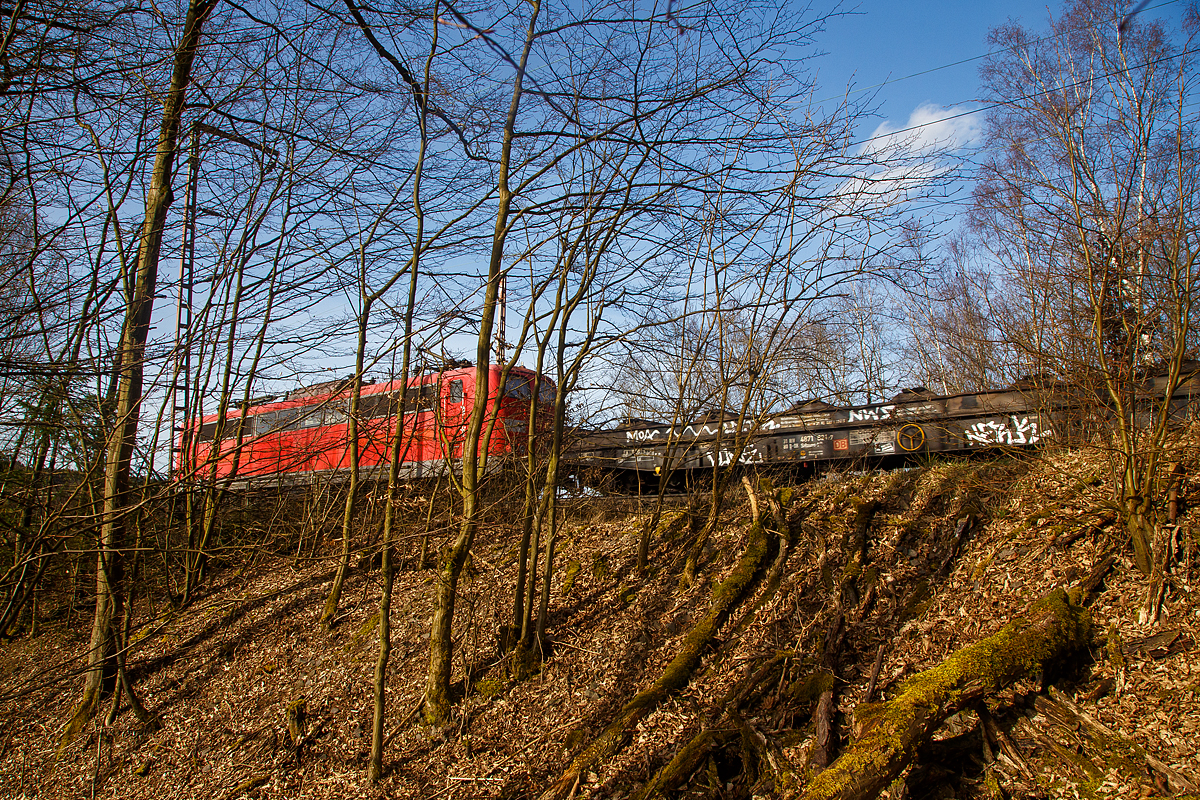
(229, 676)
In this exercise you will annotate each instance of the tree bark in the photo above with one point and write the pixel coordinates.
(437, 685)
(131, 357)
(725, 598)
(892, 731)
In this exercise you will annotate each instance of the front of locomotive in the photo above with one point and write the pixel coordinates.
(517, 405)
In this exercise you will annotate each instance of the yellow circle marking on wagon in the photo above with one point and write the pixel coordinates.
(910, 437)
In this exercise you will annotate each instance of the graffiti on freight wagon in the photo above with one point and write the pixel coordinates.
(1012, 430)
(750, 455)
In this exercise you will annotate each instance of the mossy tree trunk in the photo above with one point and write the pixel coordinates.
(726, 598)
(437, 685)
(892, 731)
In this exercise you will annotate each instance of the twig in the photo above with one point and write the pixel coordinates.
(874, 674)
(580, 649)
(404, 720)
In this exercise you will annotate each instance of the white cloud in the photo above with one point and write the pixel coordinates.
(929, 127)
(905, 162)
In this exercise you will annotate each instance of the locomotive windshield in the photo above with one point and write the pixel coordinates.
(520, 387)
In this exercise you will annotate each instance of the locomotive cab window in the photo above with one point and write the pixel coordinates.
(456, 391)
(208, 431)
(420, 398)
(518, 387)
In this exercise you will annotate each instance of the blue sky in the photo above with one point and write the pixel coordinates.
(882, 40)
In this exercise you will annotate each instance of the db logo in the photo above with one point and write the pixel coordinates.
(841, 444)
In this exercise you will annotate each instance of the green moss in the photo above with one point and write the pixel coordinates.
(827, 576)
(997, 660)
(852, 570)
(599, 567)
(365, 631)
(80, 719)
(573, 568)
(918, 610)
(523, 662)
(297, 711)
(786, 495)
(1055, 627)
(1041, 514)
(917, 602)
(1115, 648)
(807, 690)
(626, 594)
(992, 785)
(1054, 531)
(670, 525)
(1081, 764)
(489, 688)
(868, 715)
(575, 739)
(982, 567)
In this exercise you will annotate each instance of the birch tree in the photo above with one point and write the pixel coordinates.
(1087, 202)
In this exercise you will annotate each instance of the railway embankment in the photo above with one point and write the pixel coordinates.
(954, 630)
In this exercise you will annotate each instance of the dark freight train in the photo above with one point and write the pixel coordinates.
(810, 435)
(913, 422)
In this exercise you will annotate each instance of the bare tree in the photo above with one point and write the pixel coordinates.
(953, 343)
(105, 650)
(1086, 201)
(603, 78)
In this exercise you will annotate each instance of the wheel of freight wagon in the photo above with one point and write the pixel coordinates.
(910, 438)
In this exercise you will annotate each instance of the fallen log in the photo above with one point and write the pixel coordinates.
(891, 731)
(710, 738)
(685, 762)
(726, 598)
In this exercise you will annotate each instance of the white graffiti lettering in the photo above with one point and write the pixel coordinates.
(750, 455)
(1011, 431)
(694, 431)
(871, 414)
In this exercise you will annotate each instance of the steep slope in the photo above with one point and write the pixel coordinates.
(885, 575)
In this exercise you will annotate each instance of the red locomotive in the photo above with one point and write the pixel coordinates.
(305, 437)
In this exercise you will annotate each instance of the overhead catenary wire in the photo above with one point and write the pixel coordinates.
(981, 56)
(1028, 96)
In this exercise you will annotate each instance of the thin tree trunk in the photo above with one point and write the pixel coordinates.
(375, 767)
(131, 354)
(437, 687)
(348, 511)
